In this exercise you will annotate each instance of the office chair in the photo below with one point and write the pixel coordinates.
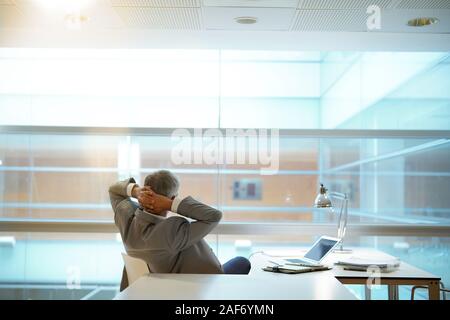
(442, 289)
(135, 268)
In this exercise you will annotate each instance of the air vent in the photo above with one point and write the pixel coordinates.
(251, 3)
(156, 3)
(161, 18)
(421, 4)
(330, 20)
(342, 4)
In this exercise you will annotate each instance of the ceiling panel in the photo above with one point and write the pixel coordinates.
(342, 4)
(272, 15)
(156, 3)
(161, 18)
(330, 20)
(421, 4)
(216, 18)
(10, 16)
(251, 3)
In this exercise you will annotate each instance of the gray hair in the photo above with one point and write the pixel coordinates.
(163, 182)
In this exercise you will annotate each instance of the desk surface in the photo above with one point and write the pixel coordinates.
(270, 286)
(405, 270)
(260, 285)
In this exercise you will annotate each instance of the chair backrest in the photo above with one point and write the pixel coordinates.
(135, 268)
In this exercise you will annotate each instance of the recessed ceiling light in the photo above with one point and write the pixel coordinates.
(246, 20)
(74, 20)
(422, 21)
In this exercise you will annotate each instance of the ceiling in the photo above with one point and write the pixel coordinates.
(31, 20)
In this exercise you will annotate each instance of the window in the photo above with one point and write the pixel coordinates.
(375, 125)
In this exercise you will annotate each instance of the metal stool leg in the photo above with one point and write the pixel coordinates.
(441, 288)
(393, 292)
(413, 290)
(367, 293)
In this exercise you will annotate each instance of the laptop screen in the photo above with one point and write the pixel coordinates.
(320, 249)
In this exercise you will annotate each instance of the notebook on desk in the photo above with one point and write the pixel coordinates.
(364, 264)
(291, 269)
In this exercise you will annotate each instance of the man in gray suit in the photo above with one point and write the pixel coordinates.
(167, 245)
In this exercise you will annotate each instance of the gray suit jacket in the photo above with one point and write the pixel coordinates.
(168, 245)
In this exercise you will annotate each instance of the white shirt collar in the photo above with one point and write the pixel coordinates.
(153, 215)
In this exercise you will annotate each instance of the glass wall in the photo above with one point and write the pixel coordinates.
(74, 121)
(385, 90)
(390, 180)
(226, 88)
(89, 266)
(62, 176)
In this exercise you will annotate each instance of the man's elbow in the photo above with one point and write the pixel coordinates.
(111, 193)
(113, 188)
(217, 215)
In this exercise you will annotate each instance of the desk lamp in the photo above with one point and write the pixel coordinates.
(323, 201)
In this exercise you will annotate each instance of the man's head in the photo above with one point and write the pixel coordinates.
(163, 182)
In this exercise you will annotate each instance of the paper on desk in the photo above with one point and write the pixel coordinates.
(365, 262)
(285, 253)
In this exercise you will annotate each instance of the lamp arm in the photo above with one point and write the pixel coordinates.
(341, 211)
(343, 214)
(345, 217)
(339, 195)
(344, 227)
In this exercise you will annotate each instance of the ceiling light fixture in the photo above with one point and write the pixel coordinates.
(246, 20)
(422, 21)
(75, 20)
(70, 11)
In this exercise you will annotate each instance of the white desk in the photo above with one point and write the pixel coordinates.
(266, 286)
(261, 285)
(405, 275)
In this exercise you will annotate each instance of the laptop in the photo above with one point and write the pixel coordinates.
(319, 250)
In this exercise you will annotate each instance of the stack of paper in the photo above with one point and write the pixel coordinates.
(290, 269)
(361, 264)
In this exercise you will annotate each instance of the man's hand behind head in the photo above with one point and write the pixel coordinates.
(153, 202)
